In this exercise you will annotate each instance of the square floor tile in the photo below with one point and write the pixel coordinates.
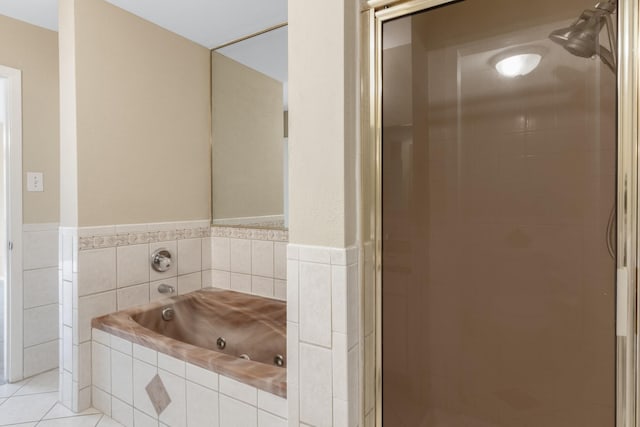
(80, 421)
(21, 425)
(61, 411)
(7, 390)
(108, 422)
(20, 409)
(43, 383)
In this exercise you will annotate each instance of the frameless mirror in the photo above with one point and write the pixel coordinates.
(249, 136)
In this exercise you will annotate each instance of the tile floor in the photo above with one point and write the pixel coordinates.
(34, 402)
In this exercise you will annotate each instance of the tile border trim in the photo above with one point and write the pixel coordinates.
(114, 236)
(138, 238)
(273, 235)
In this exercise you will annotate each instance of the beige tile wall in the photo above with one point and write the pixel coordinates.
(323, 336)
(41, 296)
(105, 269)
(250, 260)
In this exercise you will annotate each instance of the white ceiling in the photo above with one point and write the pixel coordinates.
(210, 23)
(43, 13)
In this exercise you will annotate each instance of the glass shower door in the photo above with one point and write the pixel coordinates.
(498, 193)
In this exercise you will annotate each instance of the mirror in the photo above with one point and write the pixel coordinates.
(249, 137)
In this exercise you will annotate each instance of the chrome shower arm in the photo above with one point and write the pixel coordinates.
(608, 56)
(609, 6)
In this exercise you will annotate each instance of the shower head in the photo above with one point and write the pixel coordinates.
(582, 38)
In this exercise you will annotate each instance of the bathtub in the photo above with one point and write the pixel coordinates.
(189, 360)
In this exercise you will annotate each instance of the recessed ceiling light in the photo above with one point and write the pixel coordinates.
(518, 65)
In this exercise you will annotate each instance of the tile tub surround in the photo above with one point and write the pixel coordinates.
(250, 260)
(105, 269)
(324, 348)
(40, 298)
(251, 325)
(136, 385)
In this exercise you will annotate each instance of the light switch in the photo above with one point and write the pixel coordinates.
(35, 181)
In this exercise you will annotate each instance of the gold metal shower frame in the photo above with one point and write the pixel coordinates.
(373, 14)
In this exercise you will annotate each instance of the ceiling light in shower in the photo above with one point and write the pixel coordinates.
(518, 65)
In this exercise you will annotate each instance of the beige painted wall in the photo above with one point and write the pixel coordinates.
(323, 118)
(34, 50)
(247, 136)
(143, 119)
(68, 136)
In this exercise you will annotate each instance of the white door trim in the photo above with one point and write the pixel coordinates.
(13, 309)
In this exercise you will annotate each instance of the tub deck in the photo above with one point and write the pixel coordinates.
(252, 325)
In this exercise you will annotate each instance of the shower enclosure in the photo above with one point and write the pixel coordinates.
(500, 213)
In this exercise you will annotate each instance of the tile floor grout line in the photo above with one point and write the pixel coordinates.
(32, 394)
(27, 381)
(73, 414)
(46, 412)
(36, 381)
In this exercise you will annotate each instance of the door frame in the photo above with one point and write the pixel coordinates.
(13, 309)
(374, 14)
